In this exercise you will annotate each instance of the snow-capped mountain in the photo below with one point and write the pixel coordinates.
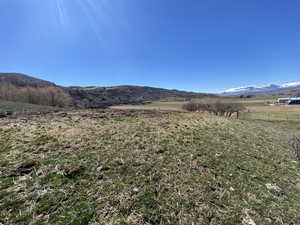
(257, 89)
(291, 85)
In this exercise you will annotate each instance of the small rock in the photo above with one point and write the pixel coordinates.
(120, 162)
(275, 188)
(102, 168)
(136, 190)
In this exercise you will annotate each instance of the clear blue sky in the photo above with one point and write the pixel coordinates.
(199, 45)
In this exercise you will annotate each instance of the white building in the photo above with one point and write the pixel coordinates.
(294, 101)
(283, 100)
(290, 101)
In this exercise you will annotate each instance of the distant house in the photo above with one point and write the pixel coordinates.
(289, 101)
(294, 101)
(283, 100)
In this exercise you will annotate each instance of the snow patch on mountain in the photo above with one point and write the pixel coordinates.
(289, 85)
(264, 88)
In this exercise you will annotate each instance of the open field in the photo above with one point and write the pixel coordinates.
(257, 109)
(146, 167)
(273, 113)
(158, 105)
(177, 105)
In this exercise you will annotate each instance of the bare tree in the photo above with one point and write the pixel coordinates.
(52, 96)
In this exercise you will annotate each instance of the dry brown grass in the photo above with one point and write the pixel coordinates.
(188, 168)
(273, 113)
(276, 108)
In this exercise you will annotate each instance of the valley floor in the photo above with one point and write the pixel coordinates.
(147, 167)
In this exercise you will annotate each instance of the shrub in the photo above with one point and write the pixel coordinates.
(191, 106)
(218, 108)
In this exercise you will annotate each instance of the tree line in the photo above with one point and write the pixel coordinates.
(50, 96)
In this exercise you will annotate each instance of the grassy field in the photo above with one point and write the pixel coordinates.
(256, 109)
(126, 167)
(159, 105)
(177, 105)
(273, 113)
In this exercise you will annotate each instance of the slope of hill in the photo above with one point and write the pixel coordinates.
(175, 168)
(262, 89)
(22, 80)
(101, 97)
(97, 97)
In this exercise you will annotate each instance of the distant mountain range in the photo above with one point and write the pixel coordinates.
(261, 89)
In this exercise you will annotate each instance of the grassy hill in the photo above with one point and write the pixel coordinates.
(101, 97)
(149, 167)
(22, 80)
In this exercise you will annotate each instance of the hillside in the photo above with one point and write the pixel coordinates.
(102, 97)
(283, 93)
(22, 80)
(127, 167)
(99, 97)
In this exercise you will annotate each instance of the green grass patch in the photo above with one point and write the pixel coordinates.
(177, 168)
